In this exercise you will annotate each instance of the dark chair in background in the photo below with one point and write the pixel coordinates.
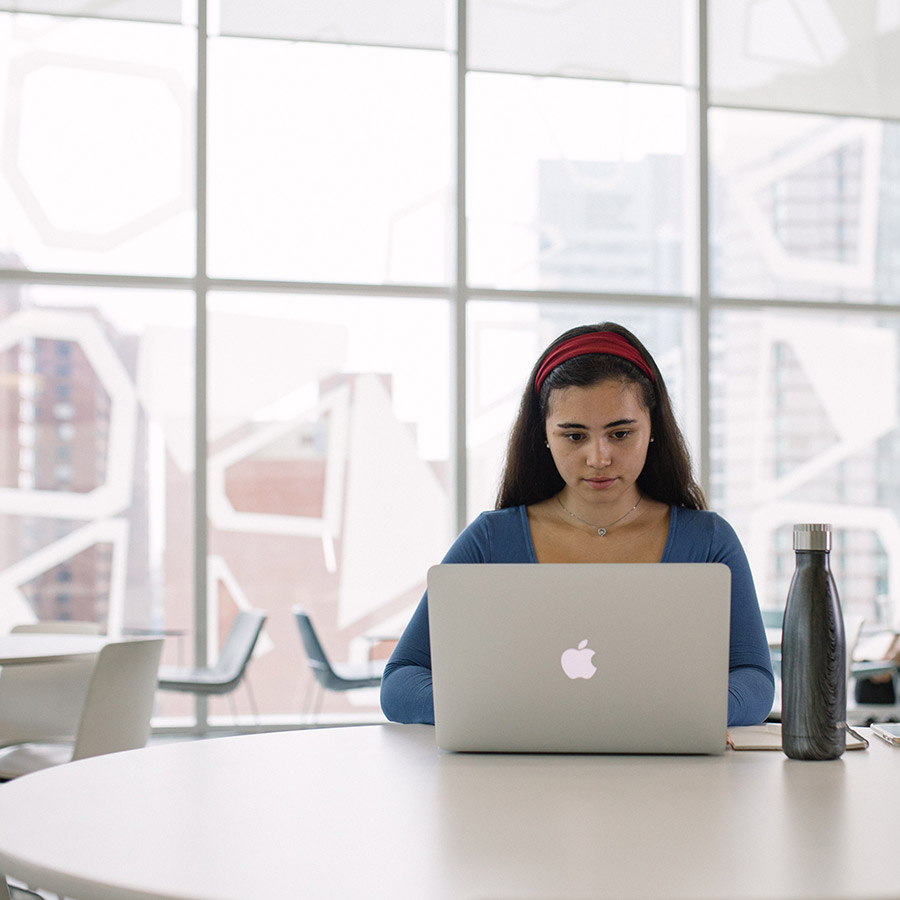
(876, 692)
(230, 669)
(329, 676)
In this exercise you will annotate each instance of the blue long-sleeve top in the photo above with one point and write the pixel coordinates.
(504, 536)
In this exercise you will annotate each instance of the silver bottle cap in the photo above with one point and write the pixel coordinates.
(812, 537)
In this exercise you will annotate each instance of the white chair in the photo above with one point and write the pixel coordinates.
(115, 716)
(44, 702)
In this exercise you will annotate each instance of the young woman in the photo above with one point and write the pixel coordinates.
(597, 472)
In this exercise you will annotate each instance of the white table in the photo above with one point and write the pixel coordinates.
(378, 812)
(46, 647)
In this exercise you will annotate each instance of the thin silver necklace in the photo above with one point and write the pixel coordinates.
(601, 529)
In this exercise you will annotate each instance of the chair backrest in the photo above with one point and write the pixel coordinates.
(58, 627)
(44, 702)
(119, 701)
(318, 659)
(239, 644)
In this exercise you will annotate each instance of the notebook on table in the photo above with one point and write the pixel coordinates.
(582, 658)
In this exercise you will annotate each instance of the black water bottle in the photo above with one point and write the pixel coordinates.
(813, 654)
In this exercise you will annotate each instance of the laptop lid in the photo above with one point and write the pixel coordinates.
(581, 658)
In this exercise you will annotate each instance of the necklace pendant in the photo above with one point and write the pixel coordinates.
(601, 530)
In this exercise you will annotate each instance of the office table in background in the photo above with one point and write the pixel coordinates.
(378, 811)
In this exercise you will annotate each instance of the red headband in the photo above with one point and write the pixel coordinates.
(608, 342)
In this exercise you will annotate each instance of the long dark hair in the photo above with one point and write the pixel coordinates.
(530, 475)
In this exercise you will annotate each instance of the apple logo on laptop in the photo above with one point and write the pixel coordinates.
(576, 661)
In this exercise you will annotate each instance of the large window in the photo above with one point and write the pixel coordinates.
(272, 276)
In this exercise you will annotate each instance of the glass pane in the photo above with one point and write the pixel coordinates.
(97, 124)
(805, 429)
(638, 41)
(842, 56)
(505, 340)
(804, 207)
(328, 423)
(561, 199)
(96, 473)
(399, 23)
(329, 163)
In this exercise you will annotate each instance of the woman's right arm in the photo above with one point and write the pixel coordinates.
(406, 683)
(406, 694)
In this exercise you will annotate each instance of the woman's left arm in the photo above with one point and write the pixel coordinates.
(751, 682)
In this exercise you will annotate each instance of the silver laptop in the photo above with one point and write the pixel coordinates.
(584, 658)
